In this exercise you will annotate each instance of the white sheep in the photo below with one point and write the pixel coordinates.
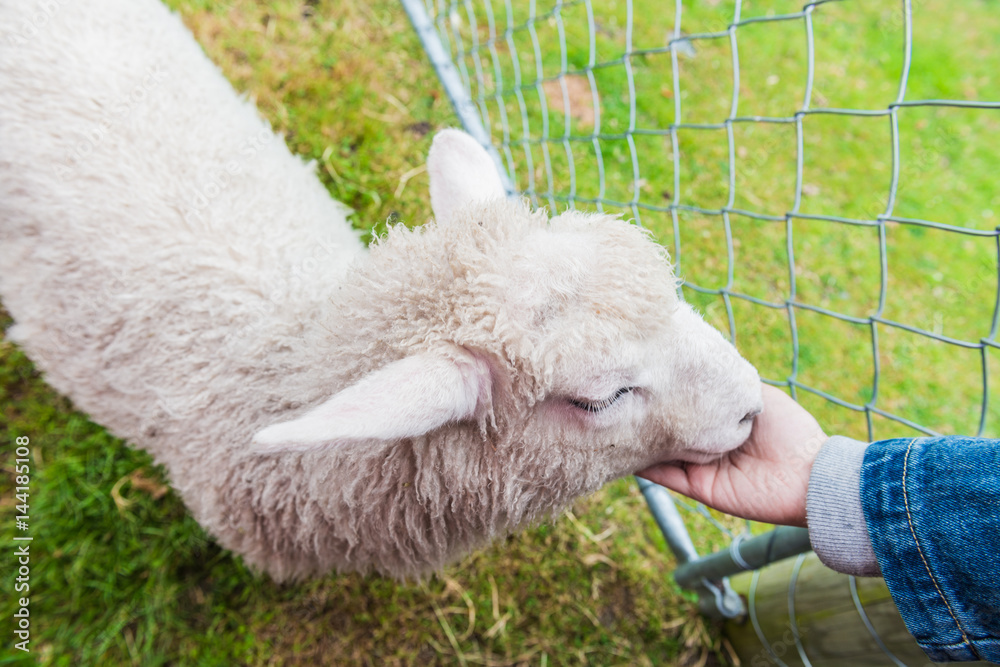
(185, 280)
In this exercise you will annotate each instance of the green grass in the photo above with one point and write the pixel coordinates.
(122, 575)
(937, 281)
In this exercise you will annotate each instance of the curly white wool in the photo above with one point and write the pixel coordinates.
(185, 280)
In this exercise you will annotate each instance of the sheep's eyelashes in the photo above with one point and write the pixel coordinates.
(598, 406)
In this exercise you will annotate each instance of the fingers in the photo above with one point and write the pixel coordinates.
(669, 475)
(774, 395)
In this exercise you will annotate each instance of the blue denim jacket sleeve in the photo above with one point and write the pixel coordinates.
(932, 506)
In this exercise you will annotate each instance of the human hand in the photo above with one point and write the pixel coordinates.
(766, 478)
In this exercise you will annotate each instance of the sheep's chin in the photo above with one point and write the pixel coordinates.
(700, 456)
(697, 457)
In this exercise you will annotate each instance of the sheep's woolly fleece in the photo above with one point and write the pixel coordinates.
(189, 283)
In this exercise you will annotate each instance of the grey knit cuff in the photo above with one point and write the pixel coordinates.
(837, 527)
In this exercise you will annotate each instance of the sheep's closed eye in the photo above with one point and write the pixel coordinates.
(604, 404)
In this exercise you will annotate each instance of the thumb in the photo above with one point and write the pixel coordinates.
(670, 475)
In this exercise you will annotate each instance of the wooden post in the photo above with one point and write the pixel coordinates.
(831, 630)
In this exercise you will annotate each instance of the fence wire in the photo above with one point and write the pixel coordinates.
(513, 76)
(816, 187)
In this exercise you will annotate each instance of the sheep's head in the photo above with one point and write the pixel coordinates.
(559, 339)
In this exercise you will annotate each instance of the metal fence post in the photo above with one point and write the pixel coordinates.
(782, 606)
(467, 112)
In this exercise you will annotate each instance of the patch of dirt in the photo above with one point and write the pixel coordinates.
(619, 603)
(420, 129)
(581, 100)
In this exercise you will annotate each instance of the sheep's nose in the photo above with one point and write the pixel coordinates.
(750, 416)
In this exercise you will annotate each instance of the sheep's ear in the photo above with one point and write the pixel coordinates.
(461, 172)
(407, 398)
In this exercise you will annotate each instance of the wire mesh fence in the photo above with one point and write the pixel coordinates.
(587, 104)
(821, 174)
